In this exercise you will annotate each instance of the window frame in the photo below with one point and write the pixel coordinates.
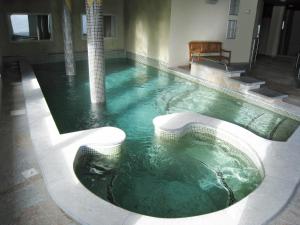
(234, 13)
(11, 32)
(235, 31)
(84, 37)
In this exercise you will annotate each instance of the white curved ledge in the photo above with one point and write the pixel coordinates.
(108, 136)
(106, 141)
(56, 153)
(176, 125)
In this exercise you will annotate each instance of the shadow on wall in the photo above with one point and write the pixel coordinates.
(148, 28)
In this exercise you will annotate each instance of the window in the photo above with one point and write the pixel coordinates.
(83, 25)
(20, 25)
(231, 29)
(234, 7)
(30, 27)
(109, 26)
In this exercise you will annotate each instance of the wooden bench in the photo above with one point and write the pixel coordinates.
(208, 50)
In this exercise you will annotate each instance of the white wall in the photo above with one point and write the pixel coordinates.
(294, 46)
(197, 20)
(241, 46)
(148, 27)
(115, 7)
(160, 29)
(275, 30)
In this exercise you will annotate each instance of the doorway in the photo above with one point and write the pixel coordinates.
(280, 33)
(275, 59)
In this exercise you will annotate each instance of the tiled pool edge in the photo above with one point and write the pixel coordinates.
(173, 127)
(56, 154)
(279, 107)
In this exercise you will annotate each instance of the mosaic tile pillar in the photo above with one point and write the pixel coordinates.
(95, 42)
(68, 40)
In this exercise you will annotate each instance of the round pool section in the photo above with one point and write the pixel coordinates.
(194, 175)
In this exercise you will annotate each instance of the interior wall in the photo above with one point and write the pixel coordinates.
(157, 29)
(10, 48)
(195, 20)
(55, 46)
(275, 30)
(111, 7)
(148, 28)
(241, 46)
(265, 30)
(115, 7)
(294, 45)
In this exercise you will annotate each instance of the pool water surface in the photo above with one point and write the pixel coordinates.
(195, 176)
(138, 93)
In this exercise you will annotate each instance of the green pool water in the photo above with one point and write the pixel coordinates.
(194, 176)
(138, 93)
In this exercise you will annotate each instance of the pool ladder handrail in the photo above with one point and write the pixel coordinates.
(215, 61)
(297, 65)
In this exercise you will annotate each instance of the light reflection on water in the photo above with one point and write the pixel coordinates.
(195, 176)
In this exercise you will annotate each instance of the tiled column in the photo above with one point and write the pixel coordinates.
(95, 42)
(68, 40)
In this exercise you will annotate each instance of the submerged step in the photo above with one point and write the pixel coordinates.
(269, 93)
(247, 83)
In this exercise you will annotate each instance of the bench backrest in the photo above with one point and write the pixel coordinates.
(200, 47)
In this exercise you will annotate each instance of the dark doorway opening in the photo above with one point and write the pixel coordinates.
(280, 33)
(276, 58)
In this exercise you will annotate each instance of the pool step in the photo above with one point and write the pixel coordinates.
(268, 94)
(248, 83)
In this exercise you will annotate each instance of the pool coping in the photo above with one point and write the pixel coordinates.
(55, 154)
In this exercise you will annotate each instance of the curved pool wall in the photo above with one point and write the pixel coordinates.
(196, 172)
(173, 127)
(138, 93)
(107, 141)
(56, 153)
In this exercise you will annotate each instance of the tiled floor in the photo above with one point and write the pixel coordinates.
(290, 215)
(24, 199)
(280, 75)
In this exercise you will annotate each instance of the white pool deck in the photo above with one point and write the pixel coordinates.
(56, 153)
